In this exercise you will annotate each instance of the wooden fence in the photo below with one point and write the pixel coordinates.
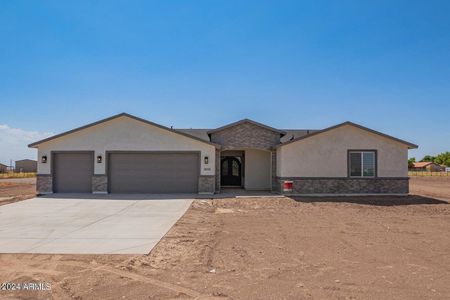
(426, 173)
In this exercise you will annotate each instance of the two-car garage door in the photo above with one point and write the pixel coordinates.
(157, 172)
(129, 172)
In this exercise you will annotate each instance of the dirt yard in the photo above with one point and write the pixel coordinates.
(17, 189)
(437, 187)
(271, 248)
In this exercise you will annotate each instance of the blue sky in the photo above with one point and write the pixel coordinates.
(289, 64)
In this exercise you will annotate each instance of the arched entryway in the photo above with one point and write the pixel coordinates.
(231, 171)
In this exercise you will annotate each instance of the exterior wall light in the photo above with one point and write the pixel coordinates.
(44, 159)
(99, 159)
(206, 160)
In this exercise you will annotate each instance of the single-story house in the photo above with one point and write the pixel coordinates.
(427, 166)
(3, 168)
(25, 165)
(127, 154)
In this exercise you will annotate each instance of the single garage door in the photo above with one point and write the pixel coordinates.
(156, 173)
(72, 172)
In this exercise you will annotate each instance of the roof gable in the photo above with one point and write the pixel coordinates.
(410, 145)
(243, 121)
(115, 117)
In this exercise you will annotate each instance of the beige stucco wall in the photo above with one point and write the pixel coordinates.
(257, 170)
(125, 134)
(325, 154)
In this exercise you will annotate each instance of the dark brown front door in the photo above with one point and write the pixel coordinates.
(231, 171)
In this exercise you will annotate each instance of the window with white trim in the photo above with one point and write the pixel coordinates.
(362, 163)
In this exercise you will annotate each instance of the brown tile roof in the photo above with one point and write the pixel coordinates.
(422, 164)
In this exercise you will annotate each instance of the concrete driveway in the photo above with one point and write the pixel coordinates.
(88, 224)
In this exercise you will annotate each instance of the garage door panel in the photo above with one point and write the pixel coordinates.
(153, 172)
(72, 172)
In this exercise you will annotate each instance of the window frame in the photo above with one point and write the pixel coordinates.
(374, 151)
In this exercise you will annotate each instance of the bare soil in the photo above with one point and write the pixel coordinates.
(266, 248)
(437, 187)
(13, 190)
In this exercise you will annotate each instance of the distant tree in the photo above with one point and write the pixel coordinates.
(411, 162)
(428, 158)
(443, 159)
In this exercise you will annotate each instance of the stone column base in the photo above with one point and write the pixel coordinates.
(217, 172)
(206, 184)
(44, 184)
(100, 184)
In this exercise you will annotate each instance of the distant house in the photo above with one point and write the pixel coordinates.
(26, 165)
(427, 166)
(3, 168)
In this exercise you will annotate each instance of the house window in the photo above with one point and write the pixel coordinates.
(362, 163)
(235, 168)
(224, 168)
